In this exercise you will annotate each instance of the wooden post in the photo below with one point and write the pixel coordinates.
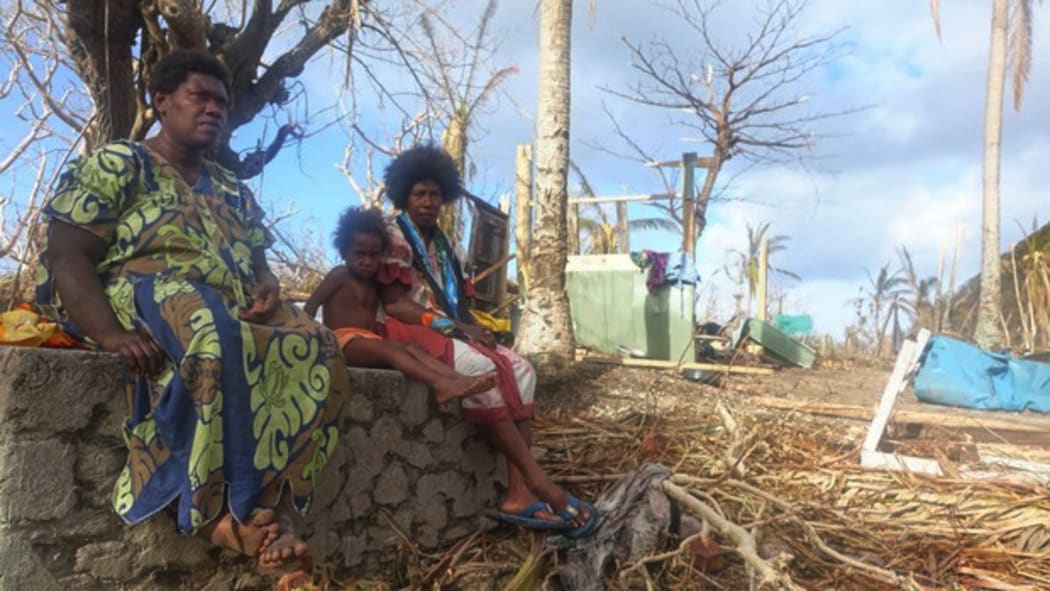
(523, 211)
(623, 228)
(938, 300)
(689, 205)
(946, 323)
(763, 273)
(574, 228)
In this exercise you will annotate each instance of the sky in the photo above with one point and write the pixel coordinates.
(905, 170)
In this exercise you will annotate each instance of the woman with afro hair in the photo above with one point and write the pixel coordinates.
(422, 282)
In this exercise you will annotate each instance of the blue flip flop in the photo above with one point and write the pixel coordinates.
(525, 518)
(571, 511)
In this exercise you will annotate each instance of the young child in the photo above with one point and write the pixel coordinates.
(350, 298)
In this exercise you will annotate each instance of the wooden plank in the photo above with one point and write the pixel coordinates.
(623, 228)
(661, 364)
(688, 205)
(870, 456)
(929, 419)
(623, 198)
(494, 267)
(894, 387)
(573, 224)
(898, 463)
(704, 162)
(523, 209)
(763, 274)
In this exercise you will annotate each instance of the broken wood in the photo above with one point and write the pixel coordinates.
(661, 364)
(623, 198)
(494, 267)
(702, 162)
(770, 572)
(923, 418)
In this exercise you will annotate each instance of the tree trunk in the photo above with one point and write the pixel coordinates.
(454, 140)
(623, 228)
(100, 37)
(987, 332)
(546, 328)
(523, 214)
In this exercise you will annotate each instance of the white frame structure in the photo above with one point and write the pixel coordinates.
(903, 371)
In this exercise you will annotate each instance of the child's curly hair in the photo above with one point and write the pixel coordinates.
(421, 163)
(357, 220)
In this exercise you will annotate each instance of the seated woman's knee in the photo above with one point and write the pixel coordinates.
(470, 362)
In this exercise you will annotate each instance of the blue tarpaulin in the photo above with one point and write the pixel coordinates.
(955, 373)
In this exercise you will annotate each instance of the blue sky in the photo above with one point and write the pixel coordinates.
(904, 172)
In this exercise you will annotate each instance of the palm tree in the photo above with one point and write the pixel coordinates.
(546, 327)
(987, 332)
(602, 234)
(460, 87)
(919, 304)
(747, 263)
(884, 292)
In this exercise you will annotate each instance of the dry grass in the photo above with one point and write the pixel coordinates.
(790, 481)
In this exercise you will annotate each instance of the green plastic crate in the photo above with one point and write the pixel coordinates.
(779, 344)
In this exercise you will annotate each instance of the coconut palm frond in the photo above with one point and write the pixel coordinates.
(786, 273)
(585, 185)
(664, 224)
(1021, 48)
(589, 225)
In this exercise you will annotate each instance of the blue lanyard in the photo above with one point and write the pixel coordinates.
(451, 282)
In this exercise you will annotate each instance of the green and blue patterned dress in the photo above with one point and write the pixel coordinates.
(241, 412)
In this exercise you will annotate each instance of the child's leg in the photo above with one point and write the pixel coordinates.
(435, 365)
(383, 353)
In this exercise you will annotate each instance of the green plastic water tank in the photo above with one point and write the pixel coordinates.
(612, 310)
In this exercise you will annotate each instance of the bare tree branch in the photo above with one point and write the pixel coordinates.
(744, 100)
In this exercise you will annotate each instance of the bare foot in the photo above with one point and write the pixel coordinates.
(452, 388)
(246, 538)
(287, 546)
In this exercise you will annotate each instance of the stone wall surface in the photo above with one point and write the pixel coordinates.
(406, 470)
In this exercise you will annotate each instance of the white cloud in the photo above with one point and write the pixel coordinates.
(900, 173)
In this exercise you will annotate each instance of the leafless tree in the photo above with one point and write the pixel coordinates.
(443, 80)
(79, 71)
(742, 98)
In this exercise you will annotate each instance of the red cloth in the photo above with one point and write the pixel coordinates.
(513, 409)
(436, 344)
(440, 347)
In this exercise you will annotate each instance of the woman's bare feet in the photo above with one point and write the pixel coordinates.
(246, 538)
(285, 547)
(452, 388)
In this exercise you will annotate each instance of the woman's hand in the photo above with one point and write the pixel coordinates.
(478, 334)
(266, 297)
(137, 347)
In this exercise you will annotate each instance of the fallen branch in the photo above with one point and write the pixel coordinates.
(881, 574)
(769, 572)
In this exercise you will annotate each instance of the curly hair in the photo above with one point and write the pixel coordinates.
(357, 220)
(171, 71)
(425, 162)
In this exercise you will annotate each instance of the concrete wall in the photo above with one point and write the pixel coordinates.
(401, 457)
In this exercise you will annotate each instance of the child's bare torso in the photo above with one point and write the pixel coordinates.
(353, 304)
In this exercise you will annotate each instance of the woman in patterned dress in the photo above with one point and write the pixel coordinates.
(158, 254)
